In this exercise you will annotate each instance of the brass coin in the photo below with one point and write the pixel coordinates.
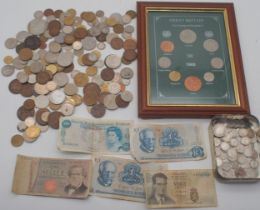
(25, 54)
(118, 28)
(175, 76)
(98, 110)
(88, 16)
(80, 79)
(17, 140)
(8, 59)
(77, 99)
(32, 132)
(91, 70)
(53, 119)
(193, 83)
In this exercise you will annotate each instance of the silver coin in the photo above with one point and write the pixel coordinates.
(110, 102)
(57, 96)
(92, 57)
(240, 148)
(19, 64)
(97, 79)
(61, 79)
(232, 154)
(164, 62)
(37, 26)
(7, 70)
(100, 63)
(89, 43)
(211, 45)
(245, 141)
(29, 121)
(188, 36)
(242, 132)
(41, 101)
(233, 142)
(36, 56)
(126, 96)
(226, 166)
(54, 47)
(217, 63)
(129, 29)
(95, 31)
(11, 43)
(125, 82)
(126, 35)
(224, 146)
(65, 59)
(219, 130)
(21, 126)
(126, 19)
(22, 77)
(126, 73)
(22, 35)
(36, 66)
(113, 61)
(51, 57)
(32, 79)
(101, 46)
(67, 29)
(118, 17)
(209, 77)
(59, 38)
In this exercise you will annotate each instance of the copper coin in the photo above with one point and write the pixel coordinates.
(27, 90)
(39, 118)
(69, 68)
(33, 42)
(54, 27)
(86, 61)
(193, 83)
(80, 33)
(19, 47)
(120, 102)
(69, 39)
(107, 74)
(118, 28)
(130, 55)
(81, 79)
(117, 43)
(17, 140)
(90, 98)
(88, 16)
(54, 118)
(43, 77)
(29, 104)
(48, 12)
(23, 113)
(167, 46)
(101, 37)
(25, 54)
(98, 110)
(57, 13)
(92, 87)
(130, 44)
(15, 86)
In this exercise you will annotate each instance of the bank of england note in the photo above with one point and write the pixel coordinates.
(91, 136)
(120, 178)
(69, 178)
(173, 142)
(180, 188)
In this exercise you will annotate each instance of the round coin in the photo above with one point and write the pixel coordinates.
(167, 46)
(98, 110)
(192, 83)
(113, 61)
(174, 76)
(127, 73)
(7, 70)
(217, 63)
(107, 74)
(53, 119)
(211, 45)
(17, 140)
(57, 96)
(209, 77)
(164, 62)
(188, 36)
(110, 102)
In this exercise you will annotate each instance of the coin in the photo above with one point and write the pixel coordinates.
(22, 77)
(224, 146)
(43, 77)
(7, 70)
(32, 132)
(29, 121)
(174, 76)
(90, 98)
(114, 87)
(70, 89)
(65, 59)
(33, 42)
(243, 132)
(29, 104)
(107, 74)
(192, 83)
(188, 36)
(67, 109)
(129, 55)
(120, 102)
(61, 79)
(217, 63)
(113, 61)
(41, 101)
(98, 110)
(130, 44)
(164, 62)
(27, 90)
(117, 43)
(40, 89)
(126, 96)
(110, 102)
(127, 73)
(81, 79)
(211, 45)
(167, 46)
(57, 96)
(89, 43)
(38, 116)
(209, 77)
(53, 120)
(15, 86)
(21, 126)
(17, 140)
(25, 54)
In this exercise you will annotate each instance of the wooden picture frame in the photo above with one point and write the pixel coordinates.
(189, 60)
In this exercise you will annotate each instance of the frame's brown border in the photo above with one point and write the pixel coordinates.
(146, 111)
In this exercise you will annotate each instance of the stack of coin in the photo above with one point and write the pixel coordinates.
(46, 61)
(235, 150)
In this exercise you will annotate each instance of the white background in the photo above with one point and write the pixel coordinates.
(15, 14)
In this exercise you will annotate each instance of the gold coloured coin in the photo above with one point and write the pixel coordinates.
(8, 59)
(91, 70)
(77, 99)
(175, 76)
(33, 132)
(81, 79)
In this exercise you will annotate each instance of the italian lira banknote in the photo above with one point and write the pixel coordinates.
(91, 136)
(69, 178)
(120, 178)
(180, 188)
(173, 142)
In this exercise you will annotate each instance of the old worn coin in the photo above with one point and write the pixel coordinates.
(98, 110)
(217, 62)
(70, 89)
(65, 59)
(41, 101)
(110, 102)
(107, 74)
(7, 70)
(53, 119)
(175, 76)
(193, 83)
(211, 45)
(17, 140)
(113, 61)
(117, 43)
(120, 102)
(61, 79)
(164, 62)
(57, 96)
(67, 109)
(126, 96)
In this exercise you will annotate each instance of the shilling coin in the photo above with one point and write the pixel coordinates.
(211, 45)
(217, 63)
(188, 36)
(113, 61)
(57, 96)
(164, 62)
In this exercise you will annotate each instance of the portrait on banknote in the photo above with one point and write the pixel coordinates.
(158, 191)
(76, 177)
(147, 140)
(106, 173)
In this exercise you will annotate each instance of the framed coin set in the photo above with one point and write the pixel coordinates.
(189, 60)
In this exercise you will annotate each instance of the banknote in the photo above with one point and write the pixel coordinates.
(69, 178)
(180, 188)
(120, 178)
(90, 136)
(173, 142)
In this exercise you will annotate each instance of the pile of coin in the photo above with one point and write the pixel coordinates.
(50, 57)
(236, 151)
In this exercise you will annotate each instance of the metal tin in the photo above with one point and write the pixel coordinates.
(235, 147)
